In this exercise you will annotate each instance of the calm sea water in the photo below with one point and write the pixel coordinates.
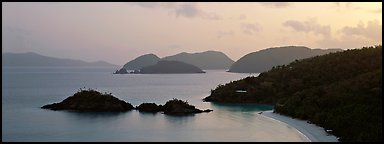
(25, 90)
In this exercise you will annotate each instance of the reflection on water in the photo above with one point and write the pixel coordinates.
(143, 113)
(241, 107)
(175, 120)
(92, 115)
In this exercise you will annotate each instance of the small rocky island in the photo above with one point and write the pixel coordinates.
(94, 101)
(91, 101)
(169, 67)
(149, 107)
(179, 107)
(171, 107)
(164, 67)
(121, 71)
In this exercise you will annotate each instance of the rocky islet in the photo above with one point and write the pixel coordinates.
(94, 101)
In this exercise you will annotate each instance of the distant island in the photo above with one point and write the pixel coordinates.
(203, 60)
(141, 61)
(265, 59)
(168, 67)
(31, 59)
(163, 67)
(93, 101)
(340, 91)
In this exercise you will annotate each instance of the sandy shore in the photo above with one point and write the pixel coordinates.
(312, 132)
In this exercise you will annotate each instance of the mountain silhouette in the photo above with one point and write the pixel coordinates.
(263, 60)
(31, 59)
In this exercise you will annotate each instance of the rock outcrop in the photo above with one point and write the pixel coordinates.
(91, 100)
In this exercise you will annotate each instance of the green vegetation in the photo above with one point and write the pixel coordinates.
(339, 91)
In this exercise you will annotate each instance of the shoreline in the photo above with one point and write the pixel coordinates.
(311, 132)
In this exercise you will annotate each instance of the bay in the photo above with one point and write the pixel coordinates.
(25, 90)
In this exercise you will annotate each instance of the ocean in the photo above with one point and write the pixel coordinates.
(25, 90)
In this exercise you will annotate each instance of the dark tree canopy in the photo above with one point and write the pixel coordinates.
(340, 91)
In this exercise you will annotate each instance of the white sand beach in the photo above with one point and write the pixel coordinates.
(313, 132)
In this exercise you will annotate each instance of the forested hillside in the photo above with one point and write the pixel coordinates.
(339, 91)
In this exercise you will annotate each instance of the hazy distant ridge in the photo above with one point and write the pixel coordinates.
(31, 59)
(263, 60)
(203, 60)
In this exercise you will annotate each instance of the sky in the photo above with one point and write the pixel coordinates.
(119, 32)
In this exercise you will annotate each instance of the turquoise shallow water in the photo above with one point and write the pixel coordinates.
(25, 90)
